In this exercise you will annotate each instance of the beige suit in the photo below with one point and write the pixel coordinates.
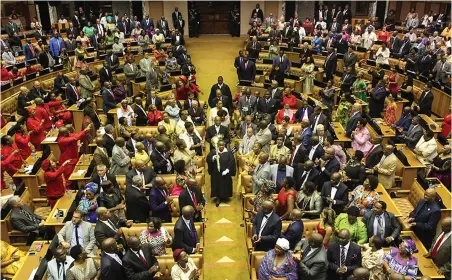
(100, 156)
(386, 170)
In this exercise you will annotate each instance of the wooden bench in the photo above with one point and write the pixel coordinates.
(407, 173)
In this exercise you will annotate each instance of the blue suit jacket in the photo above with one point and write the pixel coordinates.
(158, 207)
(293, 233)
(306, 135)
(147, 26)
(284, 66)
(27, 53)
(426, 219)
(300, 113)
(404, 122)
(55, 48)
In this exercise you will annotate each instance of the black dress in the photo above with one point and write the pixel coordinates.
(277, 76)
(356, 173)
(221, 186)
(109, 200)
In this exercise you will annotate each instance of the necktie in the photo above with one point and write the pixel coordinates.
(75, 91)
(303, 178)
(76, 234)
(343, 256)
(59, 264)
(143, 259)
(29, 216)
(437, 244)
(370, 151)
(32, 50)
(380, 226)
(193, 198)
(112, 225)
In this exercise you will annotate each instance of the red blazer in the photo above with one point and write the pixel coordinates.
(55, 183)
(4, 164)
(291, 100)
(154, 117)
(280, 116)
(68, 147)
(182, 93)
(42, 114)
(22, 141)
(15, 163)
(55, 106)
(38, 135)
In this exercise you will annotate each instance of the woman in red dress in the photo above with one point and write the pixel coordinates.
(445, 128)
(383, 35)
(22, 139)
(285, 114)
(154, 115)
(286, 198)
(182, 89)
(37, 131)
(326, 225)
(289, 98)
(308, 26)
(393, 86)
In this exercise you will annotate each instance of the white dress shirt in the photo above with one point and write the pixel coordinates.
(264, 223)
(115, 257)
(346, 252)
(312, 151)
(382, 225)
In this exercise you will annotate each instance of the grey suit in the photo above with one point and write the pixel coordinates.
(247, 105)
(89, 240)
(264, 137)
(442, 70)
(244, 127)
(314, 266)
(274, 171)
(260, 172)
(413, 135)
(120, 161)
(442, 258)
(131, 72)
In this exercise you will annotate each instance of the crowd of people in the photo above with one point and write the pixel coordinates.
(314, 178)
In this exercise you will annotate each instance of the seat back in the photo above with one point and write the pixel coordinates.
(175, 209)
(416, 193)
(136, 230)
(166, 263)
(121, 179)
(247, 183)
(153, 130)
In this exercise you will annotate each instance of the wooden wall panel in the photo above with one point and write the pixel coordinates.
(154, 9)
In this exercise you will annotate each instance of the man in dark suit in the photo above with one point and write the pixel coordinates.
(304, 113)
(239, 60)
(23, 219)
(217, 129)
(282, 61)
(160, 159)
(138, 262)
(347, 79)
(146, 172)
(192, 196)
(299, 154)
(425, 217)
(185, 235)
(346, 250)
(395, 42)
(316, 118)
(11, 27)
(180, 24)
(146, 24)
(141, 117)
(112, 60)
(414, 133)
(105, 74)
(294, 231)
(355, 116)
(227, 103)
(101, 175)
(441, 247)
(374, 155)
(110, 262)
(108, 225)
(160, 201)
(339, 16)
(259, 12)
(305, 173)
(306, 134)
(247, 70)
(381, 223)
(72, 93)
(254, 48)
(266, 227)
(347, 13)
(109, 139)
(341, 43)
(350, 59)
(162, 25)
(287, 31)
(154, 99)
(316, 151)
(334, 193)
(426, 100)
(108, 98)
(330, 64)
(267, 105)
(312, 263)
(123, 27)
(178, 38)
(377, 100)
(175, 16)
(403, 124)
(224, 88)
(136, 202)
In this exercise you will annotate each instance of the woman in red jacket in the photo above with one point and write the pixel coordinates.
(5, 163)
(182, 89)
(22, 139)
(37, 131)
(289, 98)
(54, 179)
(8, 147)
(4, 74)
(285, 114)
(154, 115)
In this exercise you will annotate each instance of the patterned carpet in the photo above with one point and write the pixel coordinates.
(225, 255)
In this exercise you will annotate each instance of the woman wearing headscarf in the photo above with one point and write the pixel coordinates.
(349, 220)
(400, 260)
(82, 268)
(373, 255)
(12, 259)
(278, 263)
(88, 203)
(54, 179)
(182, 177)
(355, 171)
(185, 268)
(268, 188)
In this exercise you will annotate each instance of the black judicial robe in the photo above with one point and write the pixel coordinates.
(221, 186)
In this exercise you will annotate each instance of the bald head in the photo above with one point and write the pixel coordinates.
(396, 276)
(361, 273)
(268, 206)
(315, 240)
(296, 214)
(388, 150)
(120, 141)
(191, 183)
(430, 195)
(159, 182)
(356, 107)
(188, 211)
(63, 131)
(109, 245)
(446, 223)
(100, 141)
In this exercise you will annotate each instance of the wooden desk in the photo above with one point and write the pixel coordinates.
(5, 129)
(386, 131)
(64, 203)
(85, 159)
(53, 145)
(80, 179)
(400, 105)
(342, 139)
(114, 113)
(77, 116)
(431, 124)
(409, 173)
(30, 181)
(391, 206)
(426, 266)
(31, 261)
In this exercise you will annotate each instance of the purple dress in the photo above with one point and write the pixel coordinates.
(399, 265)
(287, 269)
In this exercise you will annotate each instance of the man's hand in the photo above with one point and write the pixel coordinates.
(322, 163)
(154, 268)
(389, 239)
(15, 256)
(169, 199)
(199, 207)
(409, 220)
(129, 223)
(428, 255)
(121, 206)
(65, 245)
(66, 162)
(15, 152)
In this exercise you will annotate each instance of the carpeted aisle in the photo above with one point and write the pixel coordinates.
(225, 255)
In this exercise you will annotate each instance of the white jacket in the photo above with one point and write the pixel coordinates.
(428, 150)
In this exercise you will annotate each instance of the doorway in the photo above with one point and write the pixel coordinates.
(215, 16)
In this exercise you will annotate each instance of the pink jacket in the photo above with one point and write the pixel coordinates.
(361, 140)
